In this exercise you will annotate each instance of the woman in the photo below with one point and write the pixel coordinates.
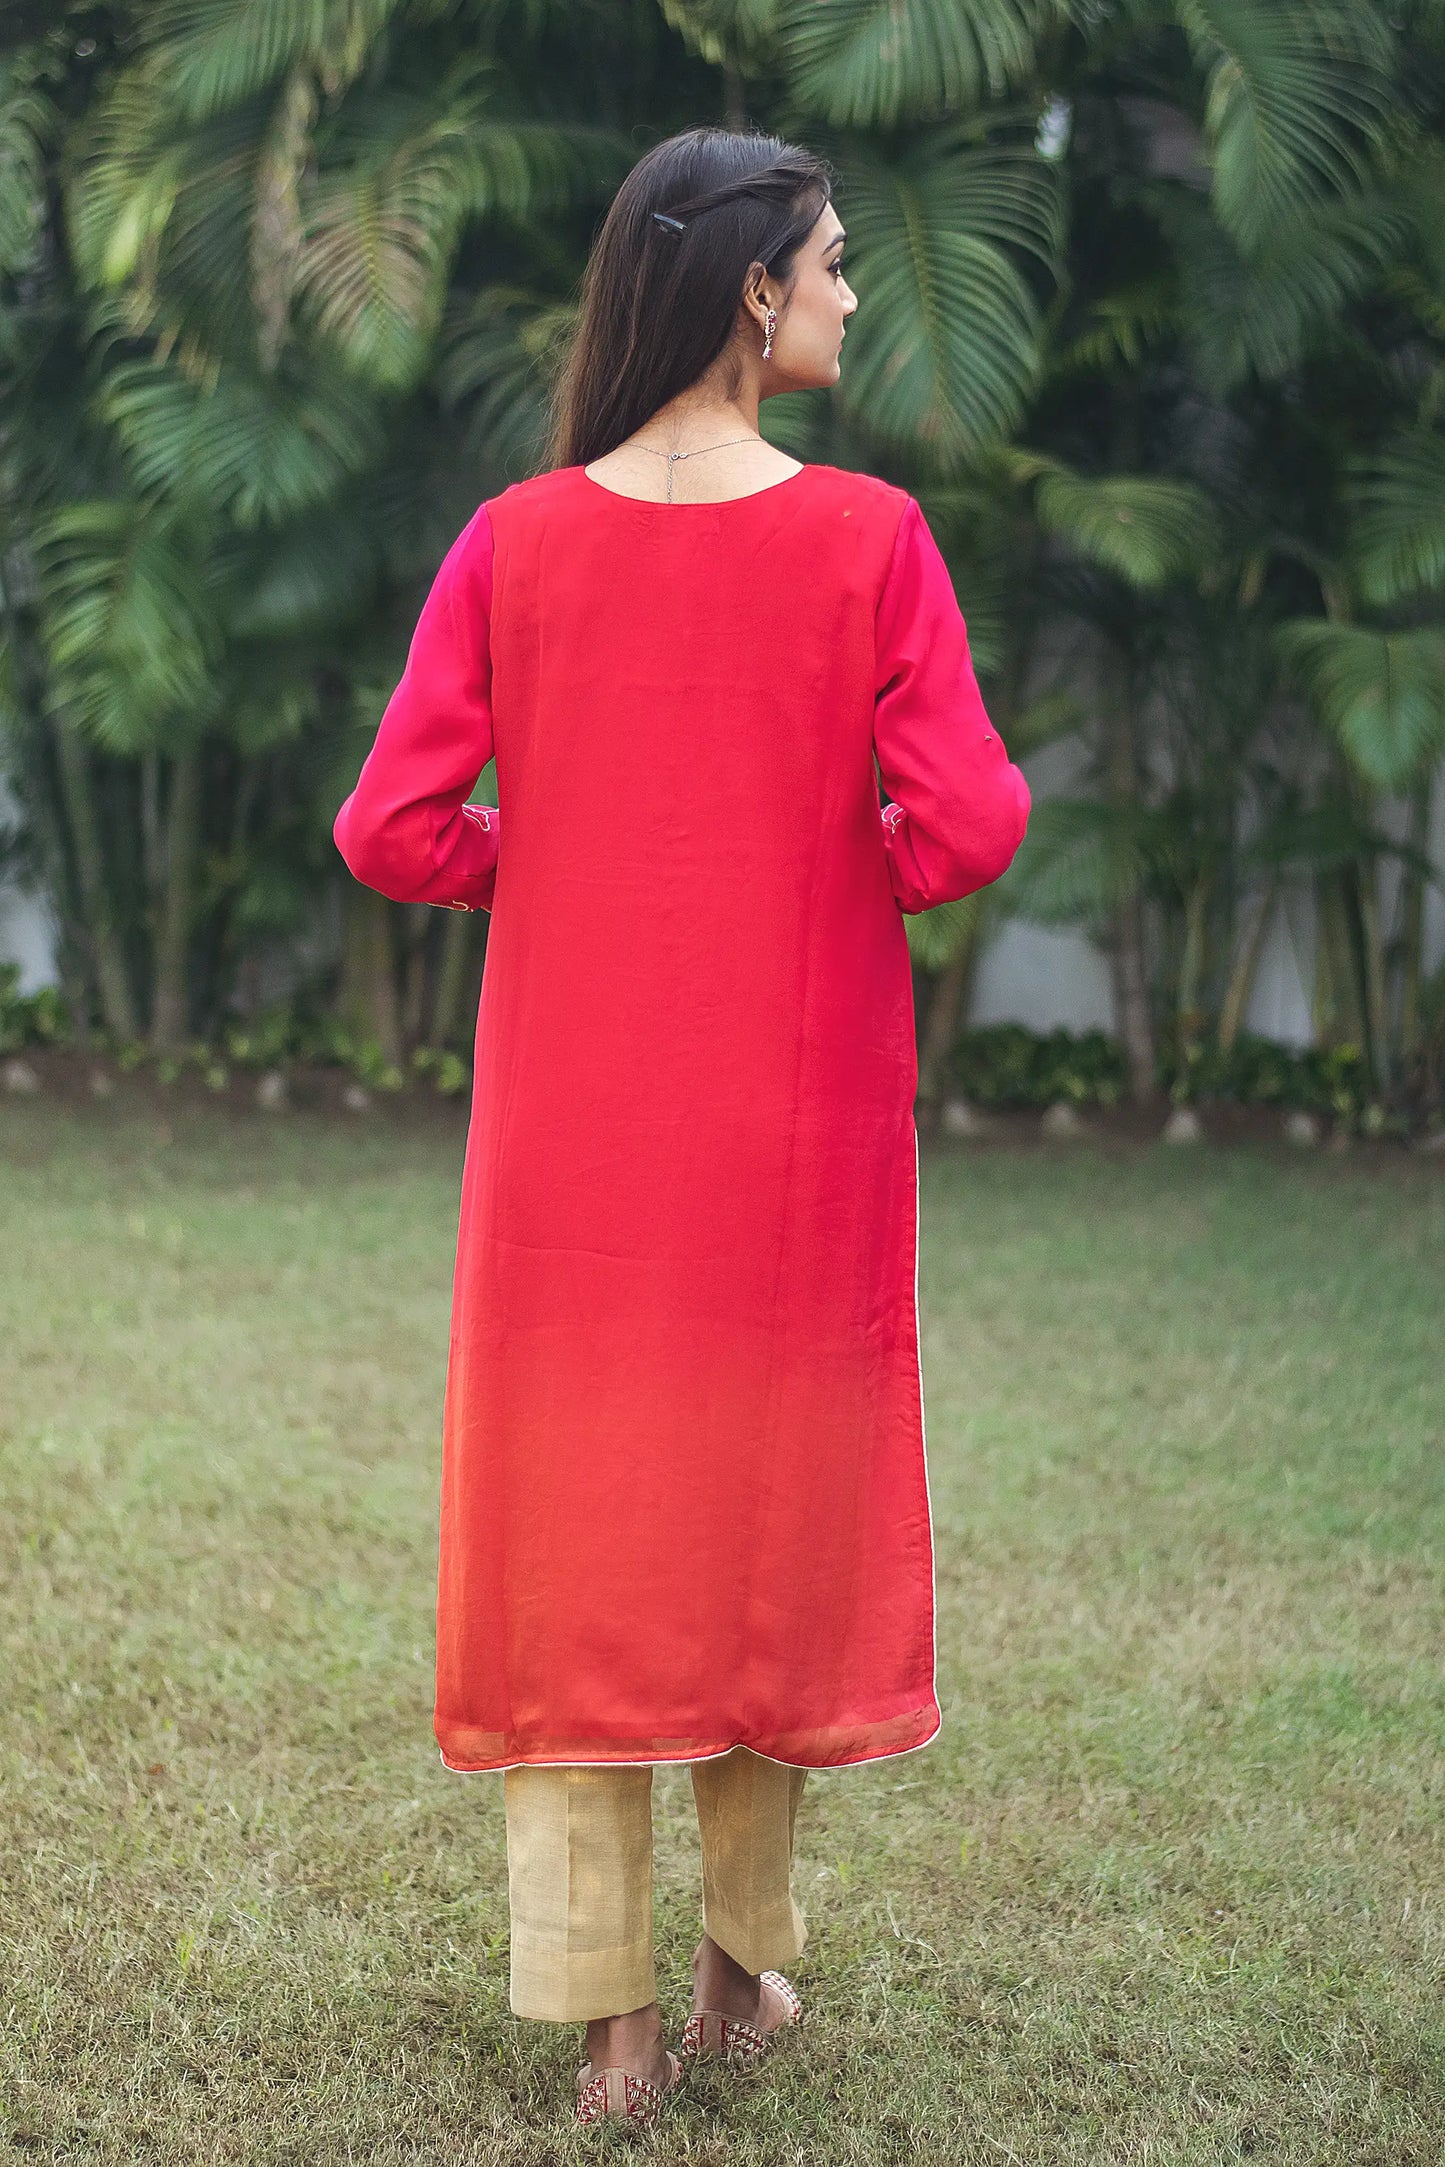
(684, 1503)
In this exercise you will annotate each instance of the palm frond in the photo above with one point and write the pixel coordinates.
(1256, 312)
(1043, 722)
(318, 573)
(160, 221)
(1381, 694)
(1004, 193)
(208, 55)
(1146, 529)
(382, 218)
(1326, 837)
(1081, 859)
(29, 124)
(726, 33)
(269, 698)
(127, 622)
(1398, 501)
(1299, 99)
(874, 63)
(975, 520)
(121, 180)
(495, 359)
(946, 352)
(1120, 329)
(1420, 189)
(936, 936)
(801, 423)
(248, 447)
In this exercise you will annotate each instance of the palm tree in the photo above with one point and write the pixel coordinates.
(251, 460)
(1151, 324)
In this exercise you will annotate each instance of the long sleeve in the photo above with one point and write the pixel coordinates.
(407, 828)
(960, 807)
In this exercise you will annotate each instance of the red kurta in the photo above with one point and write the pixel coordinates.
(684, 1500)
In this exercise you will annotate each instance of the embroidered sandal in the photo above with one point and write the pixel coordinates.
(708, 2032)
(616, 2095)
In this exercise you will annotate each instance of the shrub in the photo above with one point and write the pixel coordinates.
(1006, 1064)
(1002, 1065)
(30, 1019)
(1259, 1072)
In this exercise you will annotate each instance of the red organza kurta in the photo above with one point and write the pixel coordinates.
(684, 1500)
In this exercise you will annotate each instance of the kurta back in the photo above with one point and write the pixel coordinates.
(684, 1489)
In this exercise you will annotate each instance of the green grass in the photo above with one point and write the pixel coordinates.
(1167, 1890)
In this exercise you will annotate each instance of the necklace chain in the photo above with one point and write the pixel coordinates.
(673, 456)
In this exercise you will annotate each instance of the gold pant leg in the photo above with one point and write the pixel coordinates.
(579, 1877)
(746, 1810)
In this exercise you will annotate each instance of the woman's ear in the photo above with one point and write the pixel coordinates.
(756, 298)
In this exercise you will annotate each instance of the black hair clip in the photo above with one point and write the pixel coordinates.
(662, 218)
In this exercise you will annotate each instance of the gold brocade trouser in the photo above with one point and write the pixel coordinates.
(579, 1871)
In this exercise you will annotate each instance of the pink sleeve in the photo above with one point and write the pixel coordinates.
(407, 828)
(959, 807)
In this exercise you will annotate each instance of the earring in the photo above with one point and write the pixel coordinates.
(768, 332)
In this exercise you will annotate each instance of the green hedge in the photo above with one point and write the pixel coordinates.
(997, 1065)
(1003, 1065)
(30, 1019)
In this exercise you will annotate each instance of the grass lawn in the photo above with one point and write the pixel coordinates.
(1169, 1888)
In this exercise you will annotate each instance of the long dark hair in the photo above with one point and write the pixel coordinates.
(658, 305)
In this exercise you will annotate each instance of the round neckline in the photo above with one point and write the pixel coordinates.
(702, 504)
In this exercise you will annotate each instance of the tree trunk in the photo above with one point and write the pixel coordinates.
(107, 951)
(945, 1010)
(276, 225)
(1246, 967)
(385, 1007)
(169, 1007)
(1131, 1001)
(1412, 924)
(1127, 955)
(417, 919)
(153, 855)
(1324, 994)
(453, 975)
(1377, 1003)
(1190, 1012)
(369, 1004)
(1338, 1015)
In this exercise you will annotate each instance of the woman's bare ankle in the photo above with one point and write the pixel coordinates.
(633, 2042)
(720, 1982)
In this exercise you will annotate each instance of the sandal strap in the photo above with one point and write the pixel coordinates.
(616, 2095)
(709, 2031)
(789, 1994)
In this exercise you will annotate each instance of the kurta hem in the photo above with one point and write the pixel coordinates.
(928, 1724)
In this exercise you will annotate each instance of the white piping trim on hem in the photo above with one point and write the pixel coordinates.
(682, 1760)
(923, 1428)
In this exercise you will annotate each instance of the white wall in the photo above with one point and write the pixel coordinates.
(27, 938)
(27, 935)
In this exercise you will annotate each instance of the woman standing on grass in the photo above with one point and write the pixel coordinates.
(684, 1504)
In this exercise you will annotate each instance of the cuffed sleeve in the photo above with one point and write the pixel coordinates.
(406, 828)
(960, 807)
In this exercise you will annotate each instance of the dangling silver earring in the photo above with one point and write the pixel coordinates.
(768, 332)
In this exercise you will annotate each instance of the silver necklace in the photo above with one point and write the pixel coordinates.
(672, 456)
